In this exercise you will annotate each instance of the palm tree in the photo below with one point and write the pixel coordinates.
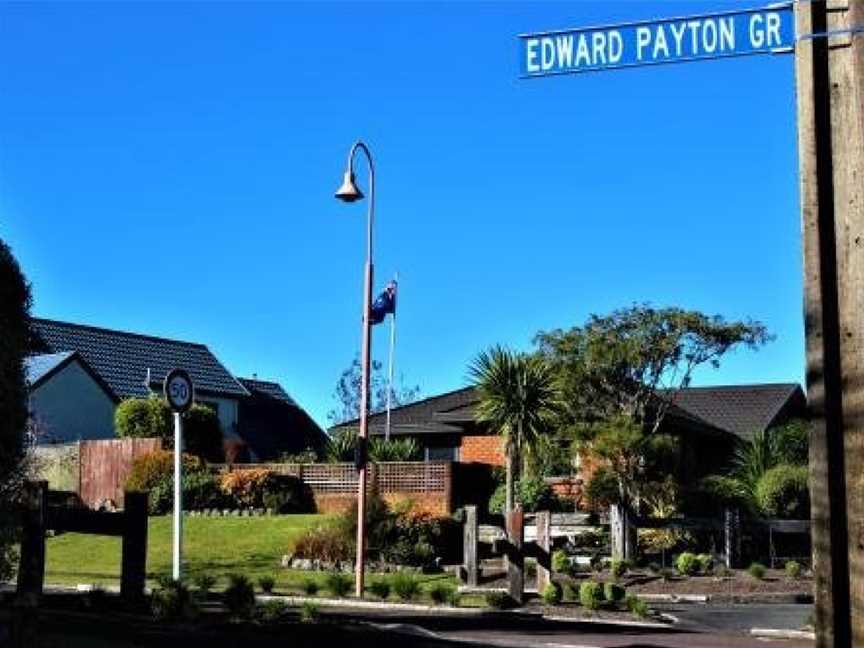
(518, 397)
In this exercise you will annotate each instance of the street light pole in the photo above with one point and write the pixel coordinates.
(349, 192)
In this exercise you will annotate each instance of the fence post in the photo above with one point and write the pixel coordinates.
(544, 545)
(515, 555)
(134, 549)
(732, 537)
(469, 546)
(31, 570)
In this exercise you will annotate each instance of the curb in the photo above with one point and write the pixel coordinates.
(674, 598)
(359, 604)
(773, 633)
(612, 622)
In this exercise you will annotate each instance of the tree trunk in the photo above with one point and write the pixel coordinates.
(510, 485)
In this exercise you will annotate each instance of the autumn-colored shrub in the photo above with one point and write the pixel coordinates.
(324, 543)
(150, 469)
(247, 487)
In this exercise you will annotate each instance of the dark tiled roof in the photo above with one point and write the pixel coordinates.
(737, 409)
(271, 389)
(421, 413)
(122, 359)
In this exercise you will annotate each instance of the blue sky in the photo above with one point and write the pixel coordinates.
(169, 169)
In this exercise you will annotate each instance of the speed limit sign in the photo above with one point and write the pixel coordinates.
(179, 390)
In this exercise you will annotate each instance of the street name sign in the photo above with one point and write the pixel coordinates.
(654, 42)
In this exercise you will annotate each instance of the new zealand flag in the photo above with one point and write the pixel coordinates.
(385, 303)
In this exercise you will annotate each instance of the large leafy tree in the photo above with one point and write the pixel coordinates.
(634, 361)
(14, 344)
(347, 392)
(518, 397)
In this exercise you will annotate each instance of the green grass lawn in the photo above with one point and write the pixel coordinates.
(252, 546)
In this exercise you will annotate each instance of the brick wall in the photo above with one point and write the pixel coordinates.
(487, 449)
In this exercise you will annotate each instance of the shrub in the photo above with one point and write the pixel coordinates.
(380, 588)
(143, 418)
(151, 468)
(722, 571)
(613, 592)
(791, 442)
(618, 568)
(687, 564)
(441, 593)
(532, 494)
(247, 486)
(239, 596)
(782, 492)
(499, 600)
(337, 584)
(154, 472)
(309, 612)
(793, 569)
(204, 583)
(309, 586)
(271, 611)
(596, 563)
(552, 594)
(757, 570)
(266, 583)
(571, 593)
(654, 567)
(705, 562)
(405, 586)
(637, 606)
(601, 490)
(327, 542)
(666, 574)
(560, 562)
(172, 601)
(455, 597)
(405, 449)
(287, 494)
(202, 434)
(591, 594)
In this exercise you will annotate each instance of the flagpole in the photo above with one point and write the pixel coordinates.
(390, 364)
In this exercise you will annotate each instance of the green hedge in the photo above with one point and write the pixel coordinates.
(783, 492)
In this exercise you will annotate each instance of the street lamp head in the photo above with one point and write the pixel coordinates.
(349, 192)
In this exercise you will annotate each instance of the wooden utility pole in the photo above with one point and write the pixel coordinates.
(830, 95)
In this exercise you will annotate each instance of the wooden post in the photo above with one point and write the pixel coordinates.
(31, 570)
(515, 554)
(134, 558)
(469, 546)
(830, 98)
(543, 520)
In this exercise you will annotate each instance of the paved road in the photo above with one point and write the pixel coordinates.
(700, 626)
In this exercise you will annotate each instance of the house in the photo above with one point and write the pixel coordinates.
(79, 373)
(708, 420)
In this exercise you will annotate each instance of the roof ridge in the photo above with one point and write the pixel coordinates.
(354, 421)
(102, 329)
(736, 386)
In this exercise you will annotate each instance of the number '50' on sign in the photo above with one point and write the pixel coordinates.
(179, 390)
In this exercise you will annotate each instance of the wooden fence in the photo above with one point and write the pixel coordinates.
(427, 484)
(104, 466)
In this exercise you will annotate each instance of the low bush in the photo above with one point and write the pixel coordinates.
(667, 574)
(499, 600)
(793, 569)
(172, 601)
(270, 611)
(705, 562)
(309, 612)
(337, 584)
(151, 468)
(309, 586)
(405, 586)
(571, 593)
(637, 606)
(266, 583)
(613, 592)
(154, 472)
(687, 564)
(288, 494)
(757, 570)
(328, 542)
(591, 595)
(533, 494)
(380, 588)
(654, 567)
(441, 593)
(560, 562)
(239, 596)
(204, 583)
(405, 449)
(552, 594)
(247, 486)
(618, 568)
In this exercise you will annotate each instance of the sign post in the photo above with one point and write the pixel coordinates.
(179, 392)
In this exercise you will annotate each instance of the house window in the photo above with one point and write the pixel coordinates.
(442, 454)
